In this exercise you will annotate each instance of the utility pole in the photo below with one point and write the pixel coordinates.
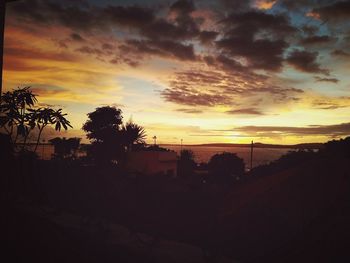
(251, 155)
(2, 32)
(155, 140)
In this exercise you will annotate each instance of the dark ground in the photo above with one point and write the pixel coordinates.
(299, 214)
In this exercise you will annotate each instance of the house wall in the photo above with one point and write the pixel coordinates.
(152, 162)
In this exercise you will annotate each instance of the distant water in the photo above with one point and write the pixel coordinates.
(204, 153)
(260, 155)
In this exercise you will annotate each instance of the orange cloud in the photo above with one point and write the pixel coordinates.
(314, 15)
(264, 4)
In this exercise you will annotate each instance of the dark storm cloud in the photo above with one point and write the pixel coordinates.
(301, 5)
(340, 53)
(77, 37)
(155, 35)
(312, 130)
(81, 17)
(131, 16)
(332, 80)
(236, 5)
(258, 37)
(309, 29)
(107, 46)
(334, 12)
(317, 40)
(74, 15)
(246, 111)
(206, 37)
(161, 28)
(166, 48)
(183, 7)
(242, 38)
(90, 51)
(306, 62)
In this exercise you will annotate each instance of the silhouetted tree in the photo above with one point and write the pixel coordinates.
(104, 129)
(226, 166)
(156, 148)
(186, 163)
(338, 147)
(43, 117)
(14, 115)
(133, 136)
(18, 117)
(291, 159)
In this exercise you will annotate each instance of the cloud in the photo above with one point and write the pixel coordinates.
(192, 111)
(332, 80)
(47, 90)
(309, 29)
(128, 16)
(311, 130)
(317, 40)
(305, 61)
(163, 29)
(165, 48)
(331, 103)
(335, 12)
(302, 5)
(340, 53)
(246, 111)
(212, 88)
(89, 50)
(182, 7)
(264, 4)
(77, 37)
(36, 54)
(207, 37)
(257, 37)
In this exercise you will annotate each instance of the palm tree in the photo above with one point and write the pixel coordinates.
(133, 134)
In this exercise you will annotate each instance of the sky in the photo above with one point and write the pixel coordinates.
(224, 71)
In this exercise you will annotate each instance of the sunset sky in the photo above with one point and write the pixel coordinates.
(202, 71)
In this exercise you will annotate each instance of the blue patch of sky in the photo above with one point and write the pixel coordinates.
(138, 86)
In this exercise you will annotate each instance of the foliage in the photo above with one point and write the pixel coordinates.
(18, 115)
(225, 166)
(186, 163)
(14, 116)
(103, 124)
(338, 148)
(133, 134)
(110, 139)
(155, 148)
(288, 160)
(46, 116)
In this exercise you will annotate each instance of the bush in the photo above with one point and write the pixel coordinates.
(226, 166)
